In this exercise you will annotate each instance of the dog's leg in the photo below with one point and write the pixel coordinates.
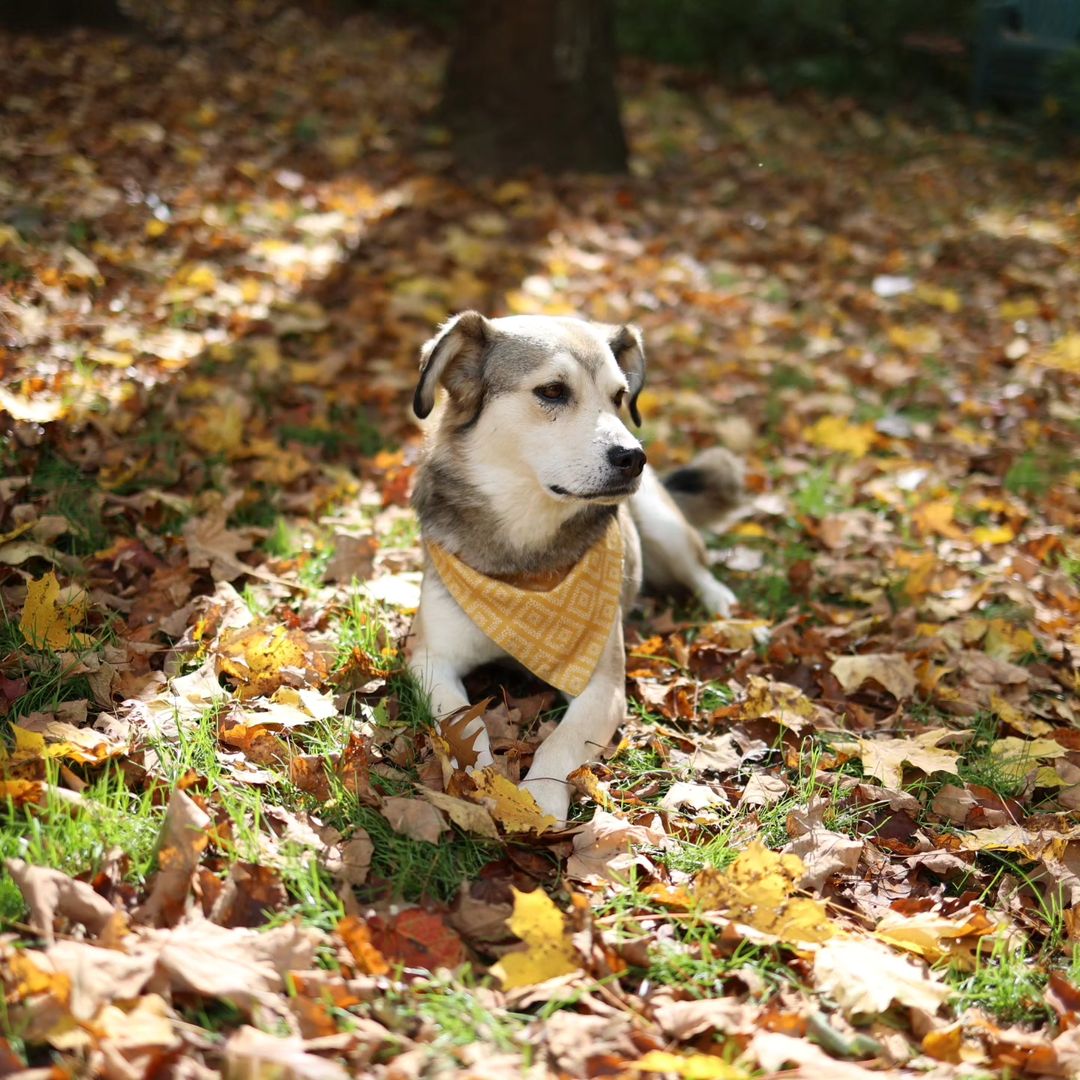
(583, 732)
(446, 645)
(674, 553)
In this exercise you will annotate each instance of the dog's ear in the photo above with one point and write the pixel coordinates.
(629, 349)
(454, 358)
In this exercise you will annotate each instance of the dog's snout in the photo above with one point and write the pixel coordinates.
(629, 460)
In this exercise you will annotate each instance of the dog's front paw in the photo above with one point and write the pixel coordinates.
(718, 598)
(552, 796)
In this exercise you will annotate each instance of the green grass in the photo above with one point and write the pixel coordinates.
(76, 838)
(1034, 473)
(65, 490)
(980, 765)
(461, 1019)
(1005, 984)
(701, 965)
(818, 494)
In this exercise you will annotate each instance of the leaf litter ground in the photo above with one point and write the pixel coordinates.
(839, 830)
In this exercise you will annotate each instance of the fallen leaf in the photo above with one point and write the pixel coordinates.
(690, 1066)
(884, 759)
(756, 889)
(50, 893)
(864, 976)
(549, 953)
(50, 614)
(257, 1055)
(465, 815)
(414, 818)
(511, 806)
(891, 670)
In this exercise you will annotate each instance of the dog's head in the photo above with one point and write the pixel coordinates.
(541, 397)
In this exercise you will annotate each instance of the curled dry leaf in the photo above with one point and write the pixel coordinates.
(823, 854)
(252, 1054)
(884, 759)
(892, 670)
(604, 848)
(50, 894)
(183, 838)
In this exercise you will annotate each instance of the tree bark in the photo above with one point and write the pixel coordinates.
(51, 15)
(531, 83)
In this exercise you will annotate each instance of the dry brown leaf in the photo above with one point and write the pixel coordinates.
(465, 815)
(604, 848)
(49, 893)
(183, 838)
(453, 730)
(247, 967)
(892, 670)
(251, 1054)
(863, 976)
(824, 853)
(884, 759)
(414, 818)
(210, 543)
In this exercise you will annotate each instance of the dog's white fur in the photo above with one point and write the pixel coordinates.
(514, 452)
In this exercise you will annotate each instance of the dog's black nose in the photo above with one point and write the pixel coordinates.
(629, 460)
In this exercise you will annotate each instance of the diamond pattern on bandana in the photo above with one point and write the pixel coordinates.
(559, 633)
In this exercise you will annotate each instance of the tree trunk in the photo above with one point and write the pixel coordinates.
(531, 83)
(51, 15)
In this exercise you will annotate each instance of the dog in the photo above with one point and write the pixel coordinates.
(531, 477)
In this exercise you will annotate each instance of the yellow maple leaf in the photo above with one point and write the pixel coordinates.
(550, 953)
(836, 433)
(1064, 354)
(512, 807)
(50, 613)
(756, 889)
(993, 534)
(936, 516)
(690, 1066)
(261, 657)
(1009, 714)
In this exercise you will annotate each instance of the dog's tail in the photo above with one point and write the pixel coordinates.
(709, 488)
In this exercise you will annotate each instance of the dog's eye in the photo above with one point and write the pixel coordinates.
(552, 391)
(619, 398)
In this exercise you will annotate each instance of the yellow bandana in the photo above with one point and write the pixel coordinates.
(557, 633)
